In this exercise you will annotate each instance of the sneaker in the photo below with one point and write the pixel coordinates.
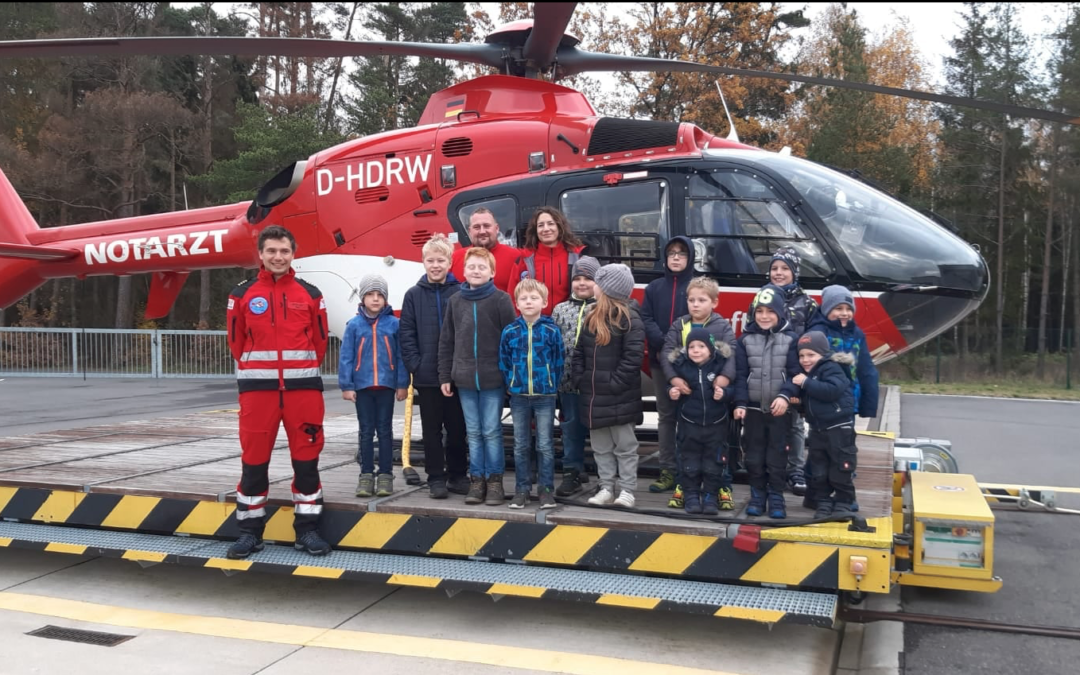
(691, 503)
(676, 501)
(777, 507)
(756, 507)
(384, 483)
(625, 499)
(602, 498)
(245, 546)
(458, 485)
(571, 483)
(437, 489)
(727, 502)
(547, 498)
(311, 542)
(366, 486)
(824, 509)
(496, 495)
(710, 505)
(477, 490)
(520, 500)
(797, 483)
(665, 482)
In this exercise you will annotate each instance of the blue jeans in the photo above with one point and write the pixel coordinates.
(483, 427)
(524, 409)
(375, 409)
(573, 433)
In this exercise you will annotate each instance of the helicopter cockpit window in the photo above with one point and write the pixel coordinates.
(884, 239)
(505, 210)
(736, 222)
(622, 223)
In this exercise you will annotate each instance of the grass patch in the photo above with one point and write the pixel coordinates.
(996, 389)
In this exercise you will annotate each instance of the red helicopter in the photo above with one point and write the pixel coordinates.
(513, 142)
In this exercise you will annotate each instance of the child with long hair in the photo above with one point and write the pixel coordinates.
(607, 372)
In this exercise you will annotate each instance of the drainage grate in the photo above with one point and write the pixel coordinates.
(89, 637)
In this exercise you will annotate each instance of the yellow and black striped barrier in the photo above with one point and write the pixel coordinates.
(806, 563)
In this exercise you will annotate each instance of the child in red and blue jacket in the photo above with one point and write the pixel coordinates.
(370, 373)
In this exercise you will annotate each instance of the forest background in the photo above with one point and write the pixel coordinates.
(91, 139)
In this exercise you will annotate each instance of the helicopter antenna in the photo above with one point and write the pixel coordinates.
(732, 135)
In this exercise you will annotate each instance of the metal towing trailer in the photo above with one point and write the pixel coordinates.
(162, 491)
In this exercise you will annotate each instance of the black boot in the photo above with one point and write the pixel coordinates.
(437, 489)
(571, 483)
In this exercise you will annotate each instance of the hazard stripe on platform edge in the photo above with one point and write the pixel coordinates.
(759, 615)
(813, 565)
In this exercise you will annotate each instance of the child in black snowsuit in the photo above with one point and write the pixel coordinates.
(701, 427)
(829, 401)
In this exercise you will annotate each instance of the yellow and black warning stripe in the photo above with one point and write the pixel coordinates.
(807, 564)
(758, 614)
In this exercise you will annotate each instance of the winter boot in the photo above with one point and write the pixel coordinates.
(366, 486)
(571, 483)
(824, 509)
(756, 507)
(384, 485)
(777, 508)
(458, 485)
(496, 496)
(840, 509)
(477, 490)
(692, 501)
(247, 544)
(710, 506)
(437, 489)
(665, 482)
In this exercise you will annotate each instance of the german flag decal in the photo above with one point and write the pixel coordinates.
(454, 107)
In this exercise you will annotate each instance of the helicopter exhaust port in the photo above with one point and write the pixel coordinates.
(275, 191)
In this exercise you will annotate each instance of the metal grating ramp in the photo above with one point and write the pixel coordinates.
(768, 605)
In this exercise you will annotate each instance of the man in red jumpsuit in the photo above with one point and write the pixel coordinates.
(484, 231)
(277, 334)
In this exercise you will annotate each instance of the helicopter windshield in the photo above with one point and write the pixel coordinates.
(884, 239)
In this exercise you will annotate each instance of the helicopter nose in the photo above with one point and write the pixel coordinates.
(919, 313)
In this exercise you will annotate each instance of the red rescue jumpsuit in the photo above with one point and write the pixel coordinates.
(278, 335)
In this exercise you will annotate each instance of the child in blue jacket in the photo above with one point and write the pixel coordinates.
(370, 372)
(531, 360)
(837, 321)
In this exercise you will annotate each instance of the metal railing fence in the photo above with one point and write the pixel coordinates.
(101, 352)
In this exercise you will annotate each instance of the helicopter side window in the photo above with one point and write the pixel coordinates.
(505, 210)
(622, 223)
(736, 222)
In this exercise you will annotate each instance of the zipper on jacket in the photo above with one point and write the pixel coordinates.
(389, 353)
(438, 304)
(529, 359)
(475, 352)
(592, 398)
(285, 306)
(674, 292)
(360, 353)
(375, 351)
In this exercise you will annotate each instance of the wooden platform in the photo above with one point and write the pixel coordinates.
(197, 457)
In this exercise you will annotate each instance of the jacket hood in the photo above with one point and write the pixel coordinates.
(722, 348)
(687, 273)
(387, 309)
(451, 280)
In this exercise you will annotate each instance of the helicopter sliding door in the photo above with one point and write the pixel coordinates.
(621, 217)
(737, 219)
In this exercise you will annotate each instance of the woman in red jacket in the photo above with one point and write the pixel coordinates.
(551, 249)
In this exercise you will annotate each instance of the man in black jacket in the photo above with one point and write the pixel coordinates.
(421, 323)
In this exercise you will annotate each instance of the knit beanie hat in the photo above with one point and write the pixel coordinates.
(815, 341)
(833, 296)
(585, 267)
(771, 296)
(701, 335)
(616, 281)
(373, 282)
(789, 257)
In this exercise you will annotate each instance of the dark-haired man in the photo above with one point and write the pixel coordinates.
(278, 335)
(484, 231)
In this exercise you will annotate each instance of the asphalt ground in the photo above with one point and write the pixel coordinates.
(1036, 554)
(199, 620)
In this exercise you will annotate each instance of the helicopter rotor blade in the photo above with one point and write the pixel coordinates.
(573, 61)
(484, 54)
(550, 20)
